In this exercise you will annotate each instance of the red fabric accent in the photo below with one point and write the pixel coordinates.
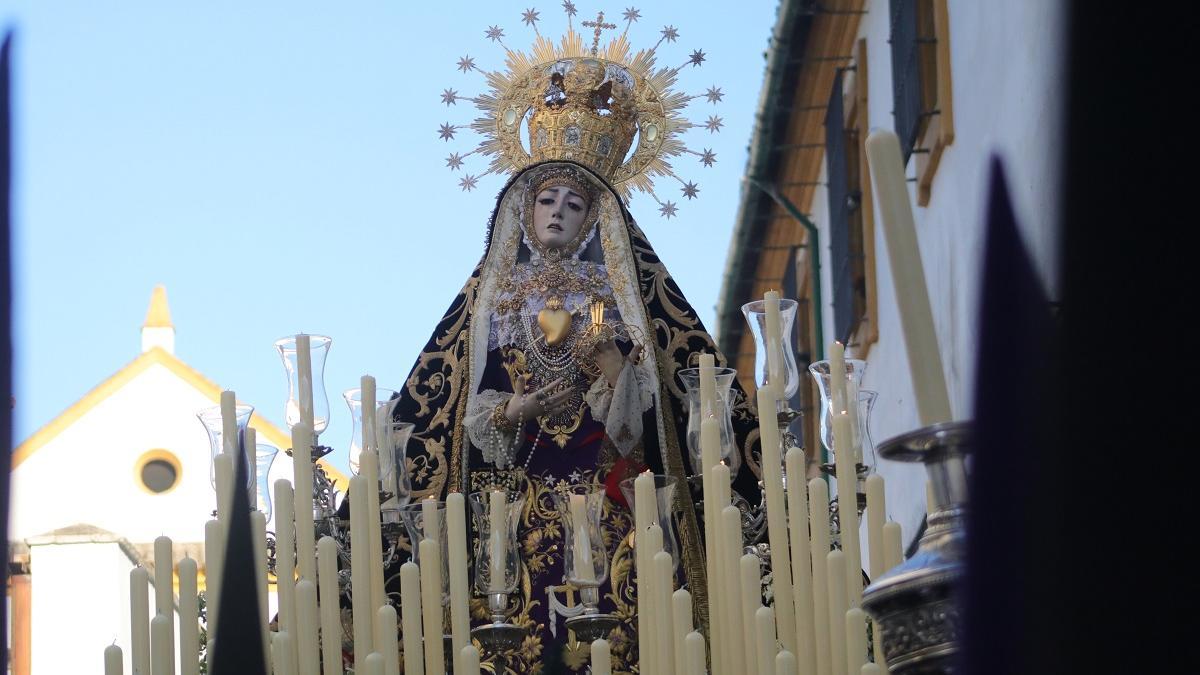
(622, 468)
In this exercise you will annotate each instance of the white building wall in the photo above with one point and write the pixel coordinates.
(1007, 89)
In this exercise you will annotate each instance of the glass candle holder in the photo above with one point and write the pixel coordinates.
(419, 528)
(497, 553)
(756, 315)
(318, 351)
(664, 495)
(211, 419)
(691, 384)
(353, 397)
(393, 462)
(264, 457)
(585, 559)
(820, 372)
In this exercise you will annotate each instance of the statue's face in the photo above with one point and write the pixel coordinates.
(558, 214)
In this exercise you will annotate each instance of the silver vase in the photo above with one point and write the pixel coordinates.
(915, 604)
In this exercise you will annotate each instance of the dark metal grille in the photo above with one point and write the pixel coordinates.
(906, 73)
(839, 189)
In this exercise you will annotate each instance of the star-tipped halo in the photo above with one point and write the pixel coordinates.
(713, 124)
(670, 33)
(468, 182)
(667, 209)
(454, 161)
(466, 64)
(631, 14)
(449, 96)
(690, 190)
(529, 16)
(446, 131)
(569, 8)
(697, 57)
(494, 33)
(709, 157)
(714, 94)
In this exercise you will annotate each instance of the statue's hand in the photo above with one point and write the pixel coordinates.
(526, 406)
(611, 361)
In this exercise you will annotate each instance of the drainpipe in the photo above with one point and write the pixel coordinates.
(814, 248)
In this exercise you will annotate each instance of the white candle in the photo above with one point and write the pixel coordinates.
(307, 623)
(785, 662)
(856, 640)
(366, 395)
(330, 608)
(189, 618)
(112, 661)
(837, 610)
(601, 657)
(764, 624)
(223, 466)
(498, 527)
(893, 546)
(369, 470)
(229, 426)
(374, 664)
(283, 654)
(908, 275)
(731, 551)
(386, 634)
(774, 343)
(818, 494)
(258, 529)
(871, 669)
(751, 596)
(363, 606)
(302, 473)
(432, 525)
(664, 627)
(777, 530)
(214, 564)
(708, 384)
(582, 542)
(164, 587)
(304, 381)
(431, 605)
(161, 662)
(460, 589)
(876, 516)
(139, 619)
(649, 542)
(681, 625)
(285, 565)
(695, 653)
(251, 455)
(728, 608)
(802, 582)
(847, 481)
(710, 447)
(837, 378)
(410, 614)
(468, 660)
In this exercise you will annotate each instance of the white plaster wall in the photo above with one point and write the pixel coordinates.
(86, 474)
(1007, 84)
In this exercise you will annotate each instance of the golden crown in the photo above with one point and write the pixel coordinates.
(585, 103)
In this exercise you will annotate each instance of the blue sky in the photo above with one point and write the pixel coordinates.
(277, 166)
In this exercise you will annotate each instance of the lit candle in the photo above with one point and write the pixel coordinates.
(112, 661)
(695, 653)
(160, 646)
(431, 523)
(229, 425)
(802, 583)
(498, 527)
(410, 615)
(777, 532)
(764, 623)
(307, 623)
(601, 657)
(369, 470)
(856, 640)
(837, 609)
(893, 546)
(374, 664)
(751, 596)
(468, 659)
(431, 605)
(681, 624)
(329, 607)
(283, 654)
(139, 619)
(258, 528)
(285, 566)
(581, 543)
(302, 473)
(214, 564)
(189, 618)
(304, 380)
(386, 639)
(460, 589)
(908, 276)
(664, 621)
(164, 587)
(818, 513)
(731, 550)
(847, 481)
(362, 604)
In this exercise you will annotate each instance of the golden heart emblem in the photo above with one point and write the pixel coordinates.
(555, 323)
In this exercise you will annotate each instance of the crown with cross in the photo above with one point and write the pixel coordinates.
(586, 102)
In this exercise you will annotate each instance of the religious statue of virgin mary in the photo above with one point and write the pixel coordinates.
(558, 360)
